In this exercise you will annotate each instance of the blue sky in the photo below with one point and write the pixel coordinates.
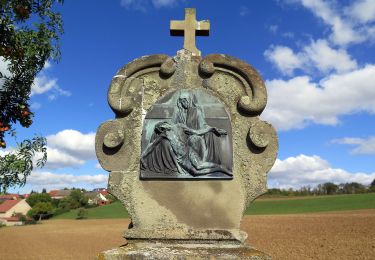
(317, 59)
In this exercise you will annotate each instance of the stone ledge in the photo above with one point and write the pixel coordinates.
(180, 251)
(180, 234)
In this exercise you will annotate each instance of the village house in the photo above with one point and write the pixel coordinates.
(9, 197)
(59, 194)
(8, 210)
(96, 197)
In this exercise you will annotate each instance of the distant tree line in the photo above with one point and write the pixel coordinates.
(327, 188)
(44, 207)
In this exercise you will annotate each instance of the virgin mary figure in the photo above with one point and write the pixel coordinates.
(190, 114)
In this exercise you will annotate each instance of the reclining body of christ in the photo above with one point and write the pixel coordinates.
(179, 149)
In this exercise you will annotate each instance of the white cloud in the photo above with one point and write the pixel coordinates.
(4, 67)
(4, 70)
(289, 35)
(325, 58)
(43, 84)
(164, 3)
(318, 55)
(69, 148)
(57, 159)
(35, 106)
(303, 170)
(284, 59)
(142, 5)
(74, 143)
(244, 11)
(363, 11)
(362, 145)
(273, 28)
(297, 102)
(55, 181)
(344, 30)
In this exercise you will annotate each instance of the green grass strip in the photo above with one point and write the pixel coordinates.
(309, 205)
(259, 207)
(113, 210)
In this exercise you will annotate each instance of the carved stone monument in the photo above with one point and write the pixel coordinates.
(187, 152)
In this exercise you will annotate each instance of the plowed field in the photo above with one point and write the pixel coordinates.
(341, 235)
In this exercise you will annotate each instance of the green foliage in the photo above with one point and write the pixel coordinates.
(111, 198)
(78, 199)
(41, 210)
(372, 186)
(82, 213)
(327, 188)
(38, 197)
(16, 166)
(29, 36)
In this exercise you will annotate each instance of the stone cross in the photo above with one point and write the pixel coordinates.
(189, 28)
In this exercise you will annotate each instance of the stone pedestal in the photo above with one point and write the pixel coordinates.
(183, 250)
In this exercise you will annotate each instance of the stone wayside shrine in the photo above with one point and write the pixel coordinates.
(187, 152)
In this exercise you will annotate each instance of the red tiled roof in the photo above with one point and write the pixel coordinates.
(53, 193)
(9, 196)
(7, 205)
(104, 192)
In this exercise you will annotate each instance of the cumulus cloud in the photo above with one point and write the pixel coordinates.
(58, 181)
(70, 148)
(59, 159)
(296, 102)
(303, 170)
(344, 30)
(363, 11)
(362, 145)
(318, 55)
(325, 58)
(284, 59)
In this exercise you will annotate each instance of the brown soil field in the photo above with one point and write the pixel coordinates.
(334, 235)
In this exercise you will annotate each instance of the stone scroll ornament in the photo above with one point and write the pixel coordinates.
(187, 152)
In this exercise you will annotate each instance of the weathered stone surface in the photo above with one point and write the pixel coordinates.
(203, 210)
(170, 250)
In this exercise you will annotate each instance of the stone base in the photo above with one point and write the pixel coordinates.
(180, 250)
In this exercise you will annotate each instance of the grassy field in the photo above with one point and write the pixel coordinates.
(293, 205)
(114, 210)
(312, 204)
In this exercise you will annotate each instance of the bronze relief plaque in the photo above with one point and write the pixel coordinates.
(187, 135)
